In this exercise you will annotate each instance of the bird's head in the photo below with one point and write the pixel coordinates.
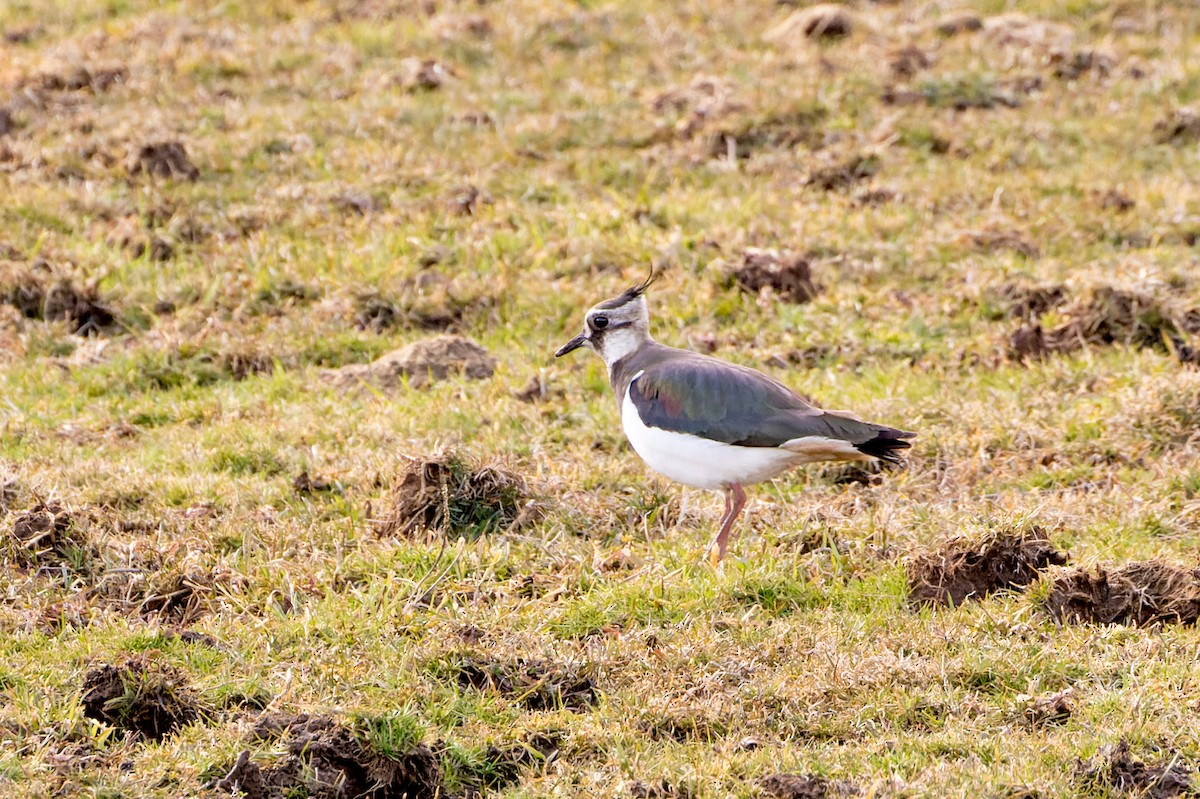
(616, 327)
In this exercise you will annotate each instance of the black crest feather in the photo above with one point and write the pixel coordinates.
(631, 293)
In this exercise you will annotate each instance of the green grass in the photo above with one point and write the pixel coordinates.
(327, 184)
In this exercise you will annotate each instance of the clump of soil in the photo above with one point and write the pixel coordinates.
(959, 22)
(304, 483)
(909, 60)
(844, 174)
(976, 568)
(325, 760)
(805, 786)
(422, 74)
(78, 78)
(1023, 301)
(164, 159)
(7, 123)
(780, 132)
(47, 534)
(821, 21)
(535, 684)
(1115, 200)
(445, 494)
(1112, 316)
(429, 301)
(1043, 711)
(139, 696)
(421, 364)
(1180, 127)
(789, 276)
(704, 99)
(42, 292)
(1143, 593)
(1115, 769)
(465, 199)
(999, 240)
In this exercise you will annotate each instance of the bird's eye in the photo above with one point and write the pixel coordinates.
(599, 322)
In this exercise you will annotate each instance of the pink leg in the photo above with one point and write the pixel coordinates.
(732, 509)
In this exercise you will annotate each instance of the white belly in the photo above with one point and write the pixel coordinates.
(699, 462)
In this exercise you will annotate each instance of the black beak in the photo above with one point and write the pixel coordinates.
(571, 345)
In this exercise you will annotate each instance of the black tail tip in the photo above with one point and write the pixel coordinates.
(888, 446)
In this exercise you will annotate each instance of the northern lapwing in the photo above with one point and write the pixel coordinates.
(711, 424)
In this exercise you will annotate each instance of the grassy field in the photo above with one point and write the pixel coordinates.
(236, 557)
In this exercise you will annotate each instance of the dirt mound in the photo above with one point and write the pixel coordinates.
(785, 131)
(1024, 301)
(659, 789)
(1180, 127)
(1149, 592)
(40, 291)
(535, 684)
(139, 696)
(421, 364)
(789, 276)
(975, 568)
(844, 174)
(47, 534)
(820, 21)
(1049, 709)
(1114, 769)
(165, 159)
(325, 760)
(805, 786)
(1111, 317)
(445, 494)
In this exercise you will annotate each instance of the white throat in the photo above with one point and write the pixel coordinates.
(619, 343)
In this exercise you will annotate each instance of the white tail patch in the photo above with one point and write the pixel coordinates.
(819, 448)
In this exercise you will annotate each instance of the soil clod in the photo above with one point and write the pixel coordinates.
(844, 174)
(820, 21)
(41, 292)
(166, 159)
(789, 276)
(1023, 301)
(139, 696)
(447, 495)
(976, 568)
(805, 786)
(1143, 593)
(325, 760)
(1112, 317)
(1049, 709)
(47, 534)
(535, 684)
(422, 74)
(1115, 769)
(421, 364)
(659, 789)
(304, 483)
(1180, 127)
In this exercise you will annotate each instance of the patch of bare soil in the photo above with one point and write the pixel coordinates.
(844, 174)
(1109, 317)
(47, 534)
(789, 276)
(7, 123)
(780, 132)
(445, 494)
(825, 21)
(164, 159)
(139, 696)
(805, 786)
(40, 291)
(1179, 127)
(1143, 593)
(956, 23)
(535, 684)
(325, 760)
(976, 568)
(907, 61)
(1115, 769)
(421, 364)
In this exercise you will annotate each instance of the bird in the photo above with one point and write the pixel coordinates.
(715, 425)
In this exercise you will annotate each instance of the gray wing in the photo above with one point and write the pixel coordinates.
(735, 405)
